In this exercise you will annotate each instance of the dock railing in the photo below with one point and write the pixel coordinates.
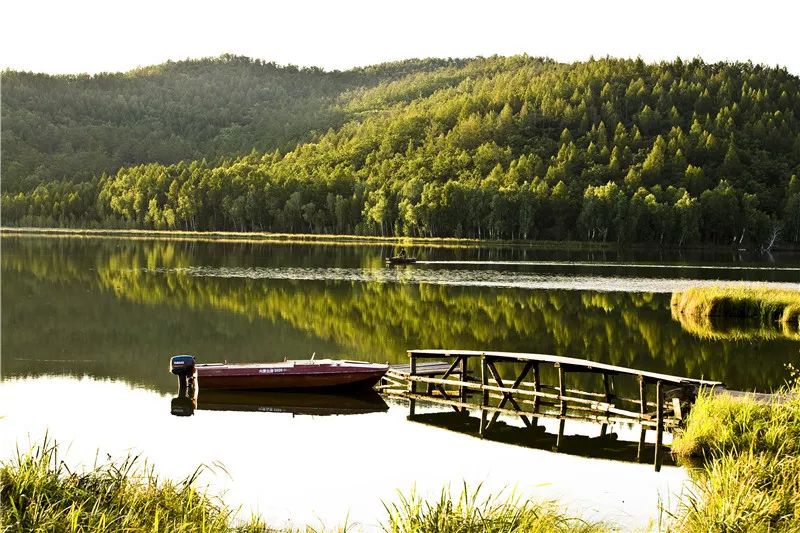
(513, 384)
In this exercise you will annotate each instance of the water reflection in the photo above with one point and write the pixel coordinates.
(312, 404)
(734, 329)
(316, 470)
(116, 308)
(463, 278)
(606, 443)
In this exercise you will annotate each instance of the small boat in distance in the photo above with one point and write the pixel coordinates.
(303, 375)
(400, 260)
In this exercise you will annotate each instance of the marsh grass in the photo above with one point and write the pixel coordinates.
(38, 492)
(720, 423)
(745, 492)
(769, 312)
(748, 478)
(471, 512)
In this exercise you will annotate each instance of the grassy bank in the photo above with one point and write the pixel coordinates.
(745, 477)
(39, 493)
(704, 310)
(748, 478)
(470, 512)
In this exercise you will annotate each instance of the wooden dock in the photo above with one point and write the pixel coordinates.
(515, 384)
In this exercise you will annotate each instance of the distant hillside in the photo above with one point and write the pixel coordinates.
(75, 126)
(671, 153)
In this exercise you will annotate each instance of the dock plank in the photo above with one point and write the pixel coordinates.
(571, 364)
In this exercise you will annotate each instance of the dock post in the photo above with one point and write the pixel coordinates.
(640, 448)
(642, 396)
(484, 392)
(560, 435)
(537, 387)
(464, 373)
(659, 423)
(412, 384)
(608, 387)
(642, 412)
(562, 389)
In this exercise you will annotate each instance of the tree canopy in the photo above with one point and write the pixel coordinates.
(674, 153)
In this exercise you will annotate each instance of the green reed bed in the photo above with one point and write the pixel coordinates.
(39, 493)
(748, 478)
(470, 512)
(772, 307)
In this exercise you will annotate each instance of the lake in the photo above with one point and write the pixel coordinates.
(88, 325)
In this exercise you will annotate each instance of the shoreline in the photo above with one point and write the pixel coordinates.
(353, 240)
(298, 238)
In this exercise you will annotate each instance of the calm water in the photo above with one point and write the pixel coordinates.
(88, 326)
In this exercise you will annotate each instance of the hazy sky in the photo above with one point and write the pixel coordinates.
(65, 36)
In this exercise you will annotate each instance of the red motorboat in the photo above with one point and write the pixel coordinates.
(306, 374)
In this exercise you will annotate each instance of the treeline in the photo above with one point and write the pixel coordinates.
(612, 150)
(76, 126)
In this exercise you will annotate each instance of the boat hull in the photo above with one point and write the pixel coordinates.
(291, 375)
(314, 403)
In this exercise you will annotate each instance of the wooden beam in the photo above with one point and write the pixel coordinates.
(562, 389)
(537, 386)
(507, 396)
(550, 415)
(608, 387)
(570, 364)
(659, 424)
(464, 377)
(484, 393)
(412, 383)
(642, 395)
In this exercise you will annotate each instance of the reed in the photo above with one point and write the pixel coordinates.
(471, 512)
(749, 473)
(699, 309)
(38, 492)
(719, 423)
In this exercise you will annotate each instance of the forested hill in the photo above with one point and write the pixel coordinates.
(76, 126)
(673, 153)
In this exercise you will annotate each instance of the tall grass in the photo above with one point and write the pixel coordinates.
(707, 312)
(749, 474)
(470, 512)
(766, 304)
(39, 493)
(719, 423)
(744, 492)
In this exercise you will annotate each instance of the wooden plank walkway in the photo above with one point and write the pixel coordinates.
(498, 386)
(572, 364)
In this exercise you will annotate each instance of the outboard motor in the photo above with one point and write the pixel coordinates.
(182, 406)
(183, 367)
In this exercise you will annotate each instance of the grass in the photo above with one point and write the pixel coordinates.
(720, 423)
(39, 493)
(470, 512)
(748, 492)
(749, 457)
(768, 312)
(748, 479)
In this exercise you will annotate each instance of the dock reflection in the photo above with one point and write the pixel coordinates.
(314, 404)
(607, 445)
